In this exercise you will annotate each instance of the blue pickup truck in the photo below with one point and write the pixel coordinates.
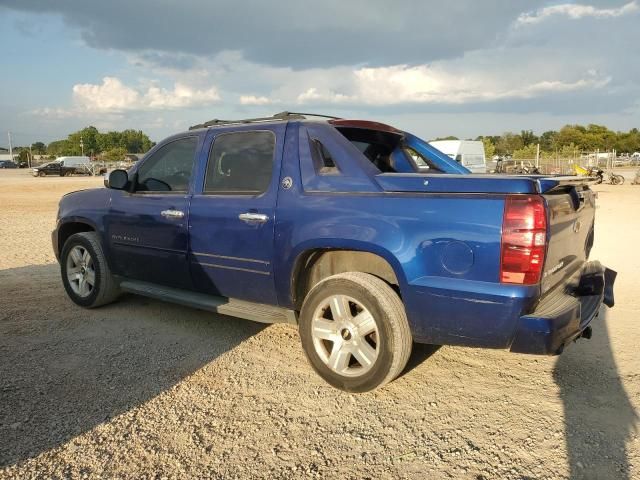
(364, 236)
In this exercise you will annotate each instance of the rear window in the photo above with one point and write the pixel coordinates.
(240, 163)
(387, 151)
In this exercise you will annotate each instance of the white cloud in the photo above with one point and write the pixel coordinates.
(52, 113)
(313, 95)
(423, 84)
(576, 11)
(113, 96)
(255, 100)
(181, 96)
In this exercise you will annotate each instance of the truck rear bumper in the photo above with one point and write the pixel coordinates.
(565, 314)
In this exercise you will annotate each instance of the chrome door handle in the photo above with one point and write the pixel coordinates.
(172, 213)
(253, 217)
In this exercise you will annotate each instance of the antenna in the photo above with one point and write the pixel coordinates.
(10, 147)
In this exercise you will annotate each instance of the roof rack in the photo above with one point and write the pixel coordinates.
(275, 118)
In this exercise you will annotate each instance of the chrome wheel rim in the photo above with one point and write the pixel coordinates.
(81, 272)
(345, 336)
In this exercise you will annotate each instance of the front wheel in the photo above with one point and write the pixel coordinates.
(85, 273)
(355, 332)
(620, 179)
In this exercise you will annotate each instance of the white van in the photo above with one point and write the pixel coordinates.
(73, 161)
(470, 153)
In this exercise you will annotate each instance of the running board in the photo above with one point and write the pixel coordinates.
(257, 312)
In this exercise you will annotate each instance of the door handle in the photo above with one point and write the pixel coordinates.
(253, 217)
(172, 213)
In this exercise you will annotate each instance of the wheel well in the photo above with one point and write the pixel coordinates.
(315, 265)
(68, 229)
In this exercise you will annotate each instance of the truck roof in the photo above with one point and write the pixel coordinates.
(288, 116)
(278, 117)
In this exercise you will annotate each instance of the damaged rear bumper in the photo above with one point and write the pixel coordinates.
(565, 314)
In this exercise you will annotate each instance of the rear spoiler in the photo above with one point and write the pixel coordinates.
(477, 183)
(547, 184)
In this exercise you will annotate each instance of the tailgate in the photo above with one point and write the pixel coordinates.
(571, 212)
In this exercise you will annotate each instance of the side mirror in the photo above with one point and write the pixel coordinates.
(118, 180)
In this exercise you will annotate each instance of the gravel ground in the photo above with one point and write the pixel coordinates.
(145, 389)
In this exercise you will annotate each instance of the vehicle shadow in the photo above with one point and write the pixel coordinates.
(65, 370)
(420, 353)
(599, 418)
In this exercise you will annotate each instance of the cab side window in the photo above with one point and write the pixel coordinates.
(240, 163)
(169, 168)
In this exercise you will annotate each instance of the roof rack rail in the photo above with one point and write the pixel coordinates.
(277, 117)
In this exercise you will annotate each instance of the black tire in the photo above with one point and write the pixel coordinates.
(41, 174)
(105, 289)
(393, 342)
(620, 180)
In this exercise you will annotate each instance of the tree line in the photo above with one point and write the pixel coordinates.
(109, 146)
(569, 142)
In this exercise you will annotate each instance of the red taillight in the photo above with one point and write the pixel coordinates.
(524, 239)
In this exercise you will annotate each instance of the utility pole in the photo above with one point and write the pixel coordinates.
(538, 156)
(30, 156)
(10, 147)
(81, 146)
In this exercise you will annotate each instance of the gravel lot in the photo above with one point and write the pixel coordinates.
(146, 389)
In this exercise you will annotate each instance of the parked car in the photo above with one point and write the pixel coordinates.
(364, 236)
(64, 167)
(52, 168)
(8, 164)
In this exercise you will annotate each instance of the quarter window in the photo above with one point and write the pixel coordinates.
(322, 159)
(240, 163)
(169, 168)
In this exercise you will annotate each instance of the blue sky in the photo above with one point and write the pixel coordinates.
(463, 68)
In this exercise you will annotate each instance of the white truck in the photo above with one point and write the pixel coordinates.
(469, 153)
(74, 161)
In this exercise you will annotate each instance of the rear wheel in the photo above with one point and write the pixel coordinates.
(620, 179)
(85, 273)
(355, 332)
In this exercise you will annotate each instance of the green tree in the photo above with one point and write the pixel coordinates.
(528, 137)
(24, 155)
(115, 154)
(628, 142)
(38, 148)
(547, 140)
(88, 137)
(450, 137)
(109, 140)
(59, 147)
(526, 153)
(509, 143)
(489, 147)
